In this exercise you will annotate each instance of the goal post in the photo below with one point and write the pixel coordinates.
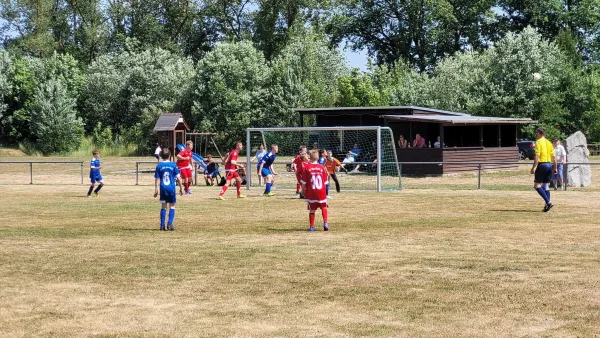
(374, 167)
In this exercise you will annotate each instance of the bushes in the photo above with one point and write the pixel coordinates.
(54, 120)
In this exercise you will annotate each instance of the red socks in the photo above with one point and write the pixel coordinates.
(311, 217)
(298, 185)
(239, 188)
(325, 214)
(223, 190)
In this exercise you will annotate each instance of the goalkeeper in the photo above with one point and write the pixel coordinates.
(333, 165)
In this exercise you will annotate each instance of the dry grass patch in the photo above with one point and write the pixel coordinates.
(413, 263)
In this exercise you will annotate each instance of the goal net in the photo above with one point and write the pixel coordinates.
(375, 167)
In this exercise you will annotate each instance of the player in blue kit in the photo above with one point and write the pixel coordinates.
(167, 176)
(95, 176)
(266, 169)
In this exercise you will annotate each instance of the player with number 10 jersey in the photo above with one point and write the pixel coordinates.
(314, 183)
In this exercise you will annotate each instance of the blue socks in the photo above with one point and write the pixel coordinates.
(171, 216)
(542, 193)
(91, 189)
(327, 189)
(548, 194)
(268, 188)
(99, 187)
(163, 215)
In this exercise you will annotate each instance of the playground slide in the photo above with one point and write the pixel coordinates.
(197, 158)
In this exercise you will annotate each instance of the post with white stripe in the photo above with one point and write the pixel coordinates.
(248, 157)
(379, 159)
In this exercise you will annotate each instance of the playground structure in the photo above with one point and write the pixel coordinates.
(171, 130)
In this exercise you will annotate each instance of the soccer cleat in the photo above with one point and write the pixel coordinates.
(301, 196)
(269, 194)
(162, 228)
(548, 207)
(298, 194)
(312, 229)
(220, 198)
(170, 227)
(95, 194)
(325, 227)
(187, 192)
(89, 196)
(241, 196)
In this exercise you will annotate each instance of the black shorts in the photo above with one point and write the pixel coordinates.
(543, 173)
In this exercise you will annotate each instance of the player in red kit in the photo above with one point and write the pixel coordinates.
(314, 181)
(231, 168)
(297, 166)
(185, 164)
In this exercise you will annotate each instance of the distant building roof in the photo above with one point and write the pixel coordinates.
(462, 119)
(362, 110)
(169, 122)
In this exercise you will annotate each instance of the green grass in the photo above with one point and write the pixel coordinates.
(412, 263)
(85, 149)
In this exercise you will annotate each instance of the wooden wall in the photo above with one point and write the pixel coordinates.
(493, 154)
(420, 155)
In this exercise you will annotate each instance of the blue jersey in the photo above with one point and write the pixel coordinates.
(321, 161)
(168, 173)
(95, 167)
(268, 159)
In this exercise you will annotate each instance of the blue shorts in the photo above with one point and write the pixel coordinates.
(559, 174)
(212, 174)
(96, 178)
(167, 196)
(543, 173)
(266, 172)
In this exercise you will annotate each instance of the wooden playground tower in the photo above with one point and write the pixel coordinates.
(171, 130)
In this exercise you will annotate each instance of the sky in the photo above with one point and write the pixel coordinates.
(356, 59)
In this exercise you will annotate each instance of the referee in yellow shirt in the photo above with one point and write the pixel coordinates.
(544, 166)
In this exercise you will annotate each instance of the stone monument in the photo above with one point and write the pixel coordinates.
(577, 175)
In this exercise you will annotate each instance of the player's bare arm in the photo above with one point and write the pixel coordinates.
(555, 164)
(156, 183)
(536, 160)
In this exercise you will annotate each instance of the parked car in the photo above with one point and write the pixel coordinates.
(526, 149)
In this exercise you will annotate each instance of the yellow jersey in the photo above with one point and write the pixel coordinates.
(544, 149)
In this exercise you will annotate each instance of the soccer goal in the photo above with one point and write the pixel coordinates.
(373, 166)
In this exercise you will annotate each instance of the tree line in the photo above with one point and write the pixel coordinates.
(104, 70)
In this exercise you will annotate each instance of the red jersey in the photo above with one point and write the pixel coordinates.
(184, 163)
(298, 164)
(233, 156)
(315, 178)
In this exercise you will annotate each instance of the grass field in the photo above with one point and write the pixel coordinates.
(413, 263)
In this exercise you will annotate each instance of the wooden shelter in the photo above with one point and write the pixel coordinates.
(464, 138)
(171, 129)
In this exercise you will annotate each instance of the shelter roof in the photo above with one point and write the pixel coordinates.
(169, 122)
(380, 110)
(457, 120)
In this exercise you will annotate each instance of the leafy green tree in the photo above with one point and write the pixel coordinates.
(5, 85)
(358, 90)
(419, 31)
(54, 123)
(277, 22)
(27, 74)
(128, 88)
(308, 68)
(228, 90)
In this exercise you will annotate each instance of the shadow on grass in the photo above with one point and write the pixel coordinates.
(289, 229)
(146, 229)
(514, 210)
